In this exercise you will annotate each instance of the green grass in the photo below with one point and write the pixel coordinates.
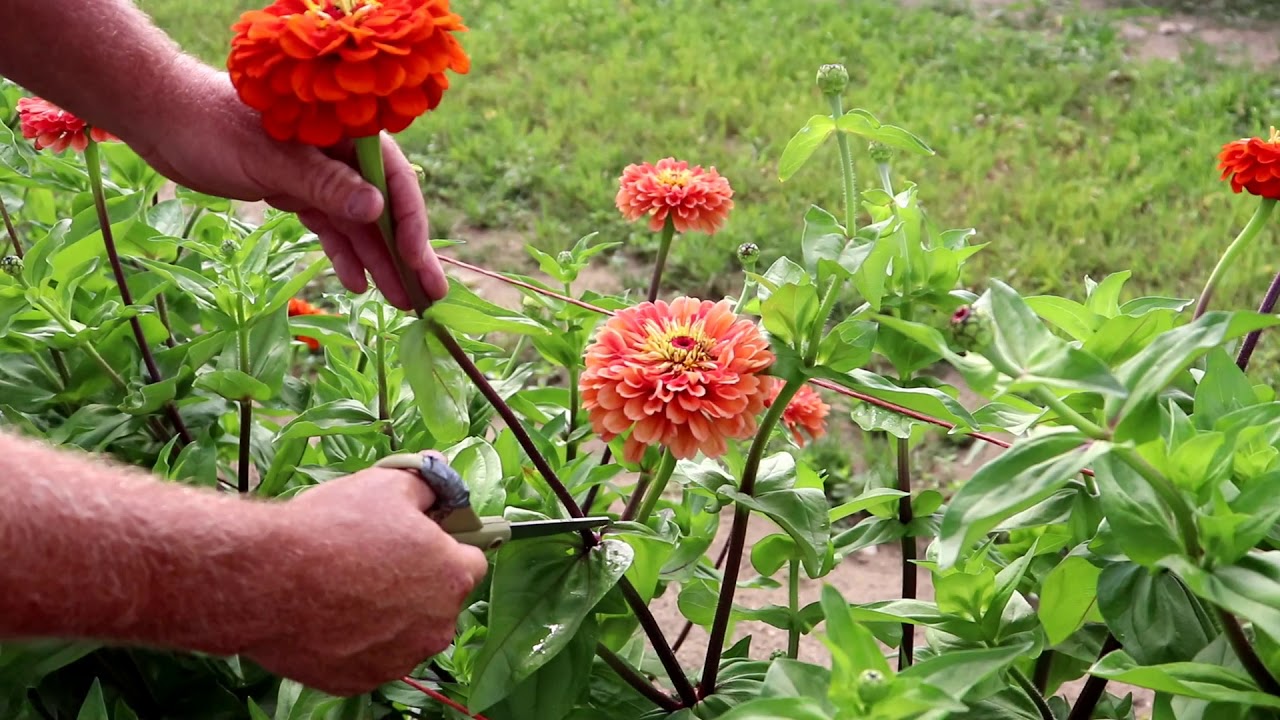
(1068, 159)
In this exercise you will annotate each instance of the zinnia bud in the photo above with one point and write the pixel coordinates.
(565, 258)
(748, 255)
(872, 686)
(970, 329)
(880, 152)
(833, 79)
(11, 265)
(229, 248)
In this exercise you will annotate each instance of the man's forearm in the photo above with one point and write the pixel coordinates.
(103, 60)
(95, 550)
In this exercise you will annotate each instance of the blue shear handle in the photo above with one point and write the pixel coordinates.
(450, 490)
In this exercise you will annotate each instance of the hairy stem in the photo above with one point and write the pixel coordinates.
(1036, 698)
(633, 678)
(738, 536)
(664, 247)
(824, 311)
(661, 477)
(94, 163)
(1250, 231)
(1251, 340)
(8, 226)
(909, 551)
(1069, 415)
(793, 604)
(846, 170)
(1248, 657)
(1093, 687)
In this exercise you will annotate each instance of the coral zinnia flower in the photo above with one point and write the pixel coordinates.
(1253, 164)
(686, 375)
(49, 126)
(298, 306)
(694, 198)
(806, 411)
(322, 71)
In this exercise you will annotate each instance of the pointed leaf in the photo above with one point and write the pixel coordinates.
(803, 144)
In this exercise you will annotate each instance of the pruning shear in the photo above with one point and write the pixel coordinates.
(453, 512)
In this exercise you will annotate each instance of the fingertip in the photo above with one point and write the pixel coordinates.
(434, 283)
(474, 561)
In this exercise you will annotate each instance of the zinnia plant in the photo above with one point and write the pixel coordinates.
(50, 127)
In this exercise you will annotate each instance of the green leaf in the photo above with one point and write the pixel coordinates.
(1196, 680)
(875, 497)
(340, 417)
(1027, 473)
(255, 712)
(439, 385)
(778, 709)
(924, 400)
(802, 513)
(1069, 316)
(788, 678)
(1068, 598)
(465, 312)
(234, 385)
(848, 345)
(1104, 297)
(803, 144)
(853, 647)
(479, 465)
(771, 552)
(1138, 517)
(94, 706)
(957, 672)
(1169, 355)
(1152, 615)
(1230, 533)
(540, 592)
(1250, 588)
(862, 123)
(552, 692)
(824, 238)
(149, 398)
(790, 312)
(1223, 389)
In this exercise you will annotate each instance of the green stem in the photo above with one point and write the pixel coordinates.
(43, 364)
(738, 535)
(664, 247)
(384, 402)
(90, 350)
(1172, 498)
(162, 310)
(824, 311)
(60, 362)
(1036, 698)
(847, 170)
(886, 182)
(661, 477)
(1250, 231)
(1065, 412)
(571, 445)
(369, 156)
(793, 603)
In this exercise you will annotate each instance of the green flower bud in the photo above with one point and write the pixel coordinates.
(833, 79)
(777, 654)
(11, 265)
(880, 152)
(872, 686)
(970, 329)
(748, 255)
(565, 258)
(229, 248)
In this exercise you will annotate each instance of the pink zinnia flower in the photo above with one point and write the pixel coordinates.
(687, 376)
(806, 411)
(49, 126)
(694, 198)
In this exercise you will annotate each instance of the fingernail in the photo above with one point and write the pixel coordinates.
(363, 206)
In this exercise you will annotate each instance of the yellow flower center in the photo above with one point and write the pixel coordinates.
(674, 178)
(350, 8)
(685, 346)
(1275, 136)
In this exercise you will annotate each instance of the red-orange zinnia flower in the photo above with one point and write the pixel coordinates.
(806, 411)
(695, 199)
(49, 126)
(322, 71)
(298, 306)
(1253, 164)
(686, 375)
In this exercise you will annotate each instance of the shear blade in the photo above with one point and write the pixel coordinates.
(541, 528)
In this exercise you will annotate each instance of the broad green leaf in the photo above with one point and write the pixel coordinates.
(234, 385)
(1196, 680)
(340, 417)
(886, 497)
(479, 465)
(1152, 615)
(1119, 338)
(824, 238)
(848, 345)
(1250, 588)
(1139, 520)
(463, 311)
(94, 706)
(1069, 316)
(151, 397)
(1029, 472)
(794, 679)
(555, 688)
(790, 312)
(957, 672)
(697, 602)
(862, 123)
(439, 385)
(1223, 389)
(1104, 297)
(541, 591)
(802, 513)
(778, 709)
(255, 712)
(1068, 598)
(873, 418)
(1169, 355)
(771, 552)
(853, 647)
(966, 594)
(924, 400)
(803, 144)
(1230, 532)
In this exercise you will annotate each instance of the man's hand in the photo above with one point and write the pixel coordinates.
(222, 150)
(376, 586)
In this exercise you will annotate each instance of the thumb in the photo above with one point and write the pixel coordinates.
(336, 189)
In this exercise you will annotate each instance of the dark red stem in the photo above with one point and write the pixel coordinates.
(1093, 687)
(439, 697)
(636, 680)
(905, 516)
(8, 226)
(1251, 340)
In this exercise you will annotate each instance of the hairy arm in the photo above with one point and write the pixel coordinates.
(345, 587)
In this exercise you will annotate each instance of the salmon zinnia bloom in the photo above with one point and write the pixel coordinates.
(806, 411)
(49, 126)
(688, 376)
(321, 71)
(695, 199)
(298, 306)
(1253, 164)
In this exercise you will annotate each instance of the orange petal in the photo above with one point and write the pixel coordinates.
(326, 85)
(358, 77)
(319, 126)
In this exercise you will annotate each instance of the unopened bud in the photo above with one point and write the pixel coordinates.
(971, 329)
(872, 686)
(229, 248)
(880, 152)
(833, 79)
(748, 255)
(11, 265)
(565, 258)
